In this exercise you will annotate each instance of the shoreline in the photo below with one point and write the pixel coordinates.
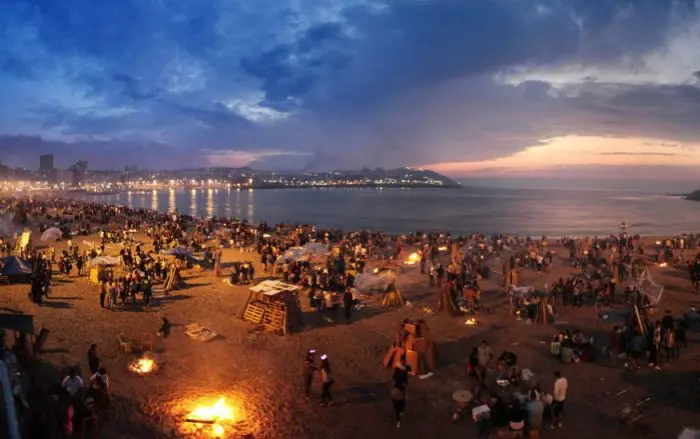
(648, 238)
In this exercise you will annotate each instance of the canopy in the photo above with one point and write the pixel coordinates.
(649, 288)
(52, 233)
(178, 252)
(368, 282)
(14, 268)
(688, 433)
(103, 260)
(310, 251)
(17, 322)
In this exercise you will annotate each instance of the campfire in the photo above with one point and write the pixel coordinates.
(412, 259)
(143, 366)
(443, 248)
(216, 415)
(663, 264)
(470, 322)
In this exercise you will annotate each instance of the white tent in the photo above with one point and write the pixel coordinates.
(103, 260)
(52, 233)
(374, 283)
(649, 288)
(688, 433)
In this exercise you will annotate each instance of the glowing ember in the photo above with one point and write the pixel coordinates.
(142, 366)
(413, 259)
(216, 415)
(663, 264)
(443, 248)
(470, 322)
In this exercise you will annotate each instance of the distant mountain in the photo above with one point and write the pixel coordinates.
(694, 196)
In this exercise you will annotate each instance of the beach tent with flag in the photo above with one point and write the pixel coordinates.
(15, 270)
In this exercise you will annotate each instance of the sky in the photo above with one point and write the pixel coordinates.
(474, 89)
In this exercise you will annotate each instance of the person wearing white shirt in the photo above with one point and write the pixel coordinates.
(561, 385)
(72, 383)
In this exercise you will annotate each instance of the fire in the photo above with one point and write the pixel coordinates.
(470, 322)
(142, 366)
(216, 415)
(442, 248)
(413, 259)
(663, 264)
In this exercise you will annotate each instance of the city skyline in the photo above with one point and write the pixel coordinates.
(490, 88)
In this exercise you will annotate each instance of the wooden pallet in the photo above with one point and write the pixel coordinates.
(254, 313)
(274, 320)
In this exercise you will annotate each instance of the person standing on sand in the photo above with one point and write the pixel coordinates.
(347, 303)
(398, 391)
(93, 359)
(308, 372)
(561, 386)
(327, 381)
(103, 293)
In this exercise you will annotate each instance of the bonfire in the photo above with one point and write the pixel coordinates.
(663, 264)
(470, 322)
(216, 415)
(412, 259)
(143, 366)
(442, 248)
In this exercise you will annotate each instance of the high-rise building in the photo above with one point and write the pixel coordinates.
(46, 169)
(79, 169)
(45, 162)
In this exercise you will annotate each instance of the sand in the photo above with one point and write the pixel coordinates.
(260, 373)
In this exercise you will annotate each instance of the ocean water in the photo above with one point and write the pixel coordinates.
(534, 212)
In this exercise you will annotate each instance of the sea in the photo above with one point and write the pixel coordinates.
(533, 212)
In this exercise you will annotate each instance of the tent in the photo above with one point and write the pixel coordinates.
(15, 269)
(178, 252)
(103, 260)
(689, 433)
(649, 288)
(102, 267)
(51, 234)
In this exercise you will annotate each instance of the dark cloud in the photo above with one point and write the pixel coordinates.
(353, 84)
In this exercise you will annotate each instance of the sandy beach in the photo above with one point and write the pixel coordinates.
(260, 373)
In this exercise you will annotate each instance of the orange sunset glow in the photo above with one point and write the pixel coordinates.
(583, 150)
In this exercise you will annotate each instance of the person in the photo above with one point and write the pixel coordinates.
(67, 413)
(308, 372)
(535, 410)
(516, 417)
(327, 381)
(100, 379)
(93, 359)
(72, 384)
(398, 390)
(485, 354)
(561, 386)
(165, 327)
(655, 346)
(347, 303)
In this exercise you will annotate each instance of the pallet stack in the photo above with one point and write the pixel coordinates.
(413, 342)
(278, 313)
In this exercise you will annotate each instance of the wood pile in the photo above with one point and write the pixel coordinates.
(413, 342)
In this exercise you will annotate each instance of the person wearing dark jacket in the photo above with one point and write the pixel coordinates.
(93, 359)
(308, 372)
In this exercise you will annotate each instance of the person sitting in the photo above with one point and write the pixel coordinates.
(516, 417)
(579, 338)
(508, 361)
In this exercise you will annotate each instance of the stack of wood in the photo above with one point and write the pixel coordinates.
(174, 281)
(280, 314)
(544, 315)
(413, 342)
(393, 296)
(447, 303)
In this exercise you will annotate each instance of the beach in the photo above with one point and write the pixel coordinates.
(260, 373)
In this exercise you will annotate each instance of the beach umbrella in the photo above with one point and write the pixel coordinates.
(52, 233)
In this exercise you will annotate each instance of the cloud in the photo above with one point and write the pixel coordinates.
(649, 154)
(330, 83)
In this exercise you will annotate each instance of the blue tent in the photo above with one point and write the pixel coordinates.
(15, 269)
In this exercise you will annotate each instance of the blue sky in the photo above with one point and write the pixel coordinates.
(317, 84)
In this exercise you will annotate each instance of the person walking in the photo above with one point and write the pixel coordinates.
(347, 303)
(308, 371)
(327, 379)
(561, 385)
(93, 359)
(398, 390)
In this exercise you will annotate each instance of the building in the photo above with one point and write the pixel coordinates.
(79, 169)
(46, 168)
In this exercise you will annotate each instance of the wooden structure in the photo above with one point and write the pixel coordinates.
(544, 314)
(174, 281)
(393, 296)
(413, 342)
(447, 303)
(274, 305)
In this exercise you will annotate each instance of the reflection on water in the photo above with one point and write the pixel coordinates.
(171, 200)
(154, 200)
(193, 202)
(238, 203)
(475, 210)
(210, 203)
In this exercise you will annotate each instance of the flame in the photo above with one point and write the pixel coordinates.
(142, 366)
(218, 413)
(412, 259)
(663, 264)
(442, 248)
(470, 322)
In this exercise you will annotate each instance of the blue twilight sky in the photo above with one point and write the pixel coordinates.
(467, 87)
